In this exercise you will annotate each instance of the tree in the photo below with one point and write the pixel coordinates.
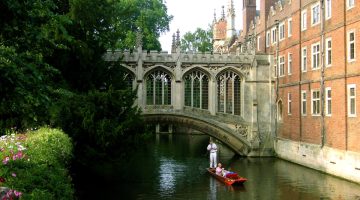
(98, 111)
(198, 41)
(31, 30)
(51, 65)
(149, 16)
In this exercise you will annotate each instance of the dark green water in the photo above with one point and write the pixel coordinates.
(174, 168)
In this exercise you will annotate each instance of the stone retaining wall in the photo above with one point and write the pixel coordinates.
(340, 163)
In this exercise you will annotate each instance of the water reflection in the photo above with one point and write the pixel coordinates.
(212, 188)
(174, 168)
(167, 179)
(310, 182)
(169, 171)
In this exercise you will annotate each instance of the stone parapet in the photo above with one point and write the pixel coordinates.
(185, 57)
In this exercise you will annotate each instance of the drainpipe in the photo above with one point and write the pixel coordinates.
(322, 78)
(346, 80)
(277, 77)
(300, 74)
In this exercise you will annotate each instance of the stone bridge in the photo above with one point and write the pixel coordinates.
(227, 96)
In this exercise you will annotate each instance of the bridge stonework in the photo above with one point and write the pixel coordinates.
(249, 132)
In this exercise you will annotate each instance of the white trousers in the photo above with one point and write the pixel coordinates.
(213, 160)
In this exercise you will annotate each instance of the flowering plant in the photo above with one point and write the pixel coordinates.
(11, 151)
(34, 165)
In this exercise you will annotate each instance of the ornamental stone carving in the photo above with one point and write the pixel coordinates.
(242, 130)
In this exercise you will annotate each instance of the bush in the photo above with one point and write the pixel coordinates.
(35, 164)
(49, 146)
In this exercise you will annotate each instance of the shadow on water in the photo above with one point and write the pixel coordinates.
(173, 167)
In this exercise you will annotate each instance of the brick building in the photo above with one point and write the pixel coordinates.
(317, 77)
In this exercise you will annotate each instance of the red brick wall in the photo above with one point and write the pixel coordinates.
(335, 125)
(353, 123)
(290, 123)
(340, 131)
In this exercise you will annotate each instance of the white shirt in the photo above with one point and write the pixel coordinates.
(212, 148)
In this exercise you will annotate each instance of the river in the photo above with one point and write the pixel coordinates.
(173, 167)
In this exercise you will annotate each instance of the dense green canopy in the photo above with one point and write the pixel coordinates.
(52, 71)
(198, 41)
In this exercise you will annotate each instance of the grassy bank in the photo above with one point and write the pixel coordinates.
(35, 165)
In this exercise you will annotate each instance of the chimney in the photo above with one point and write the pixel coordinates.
(265, 9)
(249, 13)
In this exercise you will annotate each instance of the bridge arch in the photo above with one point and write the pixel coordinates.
(236, 142)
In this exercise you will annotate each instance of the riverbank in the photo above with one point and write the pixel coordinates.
(35, 165)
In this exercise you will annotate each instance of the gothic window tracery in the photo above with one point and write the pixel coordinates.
(128, 80)
(158, 88)
(196, 89)
(229, 93)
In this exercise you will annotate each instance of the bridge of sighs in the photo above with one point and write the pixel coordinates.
(227, 96)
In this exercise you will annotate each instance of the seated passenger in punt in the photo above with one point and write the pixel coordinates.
(225, 173)
(218, 169)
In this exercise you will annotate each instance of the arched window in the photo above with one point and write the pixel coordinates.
(128, 80)
(279, 110)
(158, 88)
(229, 93)
(196, 90)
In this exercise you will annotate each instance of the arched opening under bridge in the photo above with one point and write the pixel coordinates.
(238, 144)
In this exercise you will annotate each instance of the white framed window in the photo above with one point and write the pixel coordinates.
(350, 4)
(351, 100)
(303, 59)
(315, 58)
(328, 52)
(289, 63)
(303, 20)
(328, 108)
(258, 43)
(351, 45)
(315, 102)
(282, 31)
(289, 103)
(281, 65)
(273, 35)
(315, 14)
(303, 102)
(328, 9)
(290, 27)
(267, 38)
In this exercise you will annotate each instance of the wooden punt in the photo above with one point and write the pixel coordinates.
(237, 180)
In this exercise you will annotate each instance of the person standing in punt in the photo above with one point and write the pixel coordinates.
(213, 151)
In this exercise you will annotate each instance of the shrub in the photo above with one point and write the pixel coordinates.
(49, 146)
(35, 164)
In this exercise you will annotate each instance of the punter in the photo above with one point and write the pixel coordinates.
(213, 151)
